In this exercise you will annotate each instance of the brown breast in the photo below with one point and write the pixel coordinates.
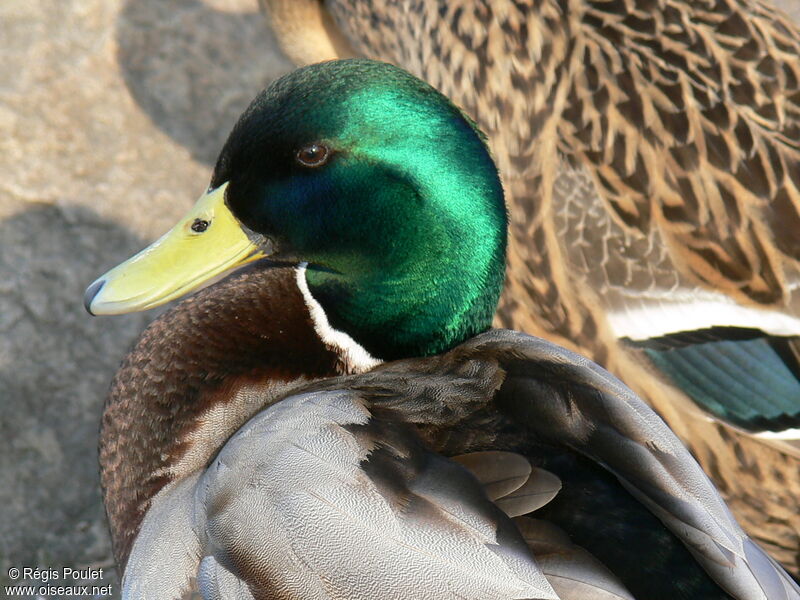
(197, 373)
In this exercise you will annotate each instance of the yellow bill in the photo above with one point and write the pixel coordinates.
(206, 243)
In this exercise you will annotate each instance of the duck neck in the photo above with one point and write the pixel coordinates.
(194, 377)
(436, 287)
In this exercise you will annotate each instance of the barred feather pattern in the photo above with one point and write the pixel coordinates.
(644, 144)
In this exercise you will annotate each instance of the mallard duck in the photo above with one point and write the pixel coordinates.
(335, 419)
(651, 153)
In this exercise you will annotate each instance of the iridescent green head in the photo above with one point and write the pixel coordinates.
(386, 190)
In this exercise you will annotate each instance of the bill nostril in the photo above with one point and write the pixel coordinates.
(90, 294)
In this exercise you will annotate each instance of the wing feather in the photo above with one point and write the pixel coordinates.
(567, 399)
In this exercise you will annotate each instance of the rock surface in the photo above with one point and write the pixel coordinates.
(111, 113)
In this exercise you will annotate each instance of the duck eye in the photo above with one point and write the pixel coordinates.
(313, 155)
(200, 225)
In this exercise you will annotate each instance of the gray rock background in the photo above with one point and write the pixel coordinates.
(111, 114)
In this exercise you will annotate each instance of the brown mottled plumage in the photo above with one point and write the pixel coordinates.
(645, 145)
(227, 472)
(340, 487)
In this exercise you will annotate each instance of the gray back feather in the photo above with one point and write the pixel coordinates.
(333, 494)
(563, 397)
(289, 505)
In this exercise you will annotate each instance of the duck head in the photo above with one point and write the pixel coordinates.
(376, 186)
